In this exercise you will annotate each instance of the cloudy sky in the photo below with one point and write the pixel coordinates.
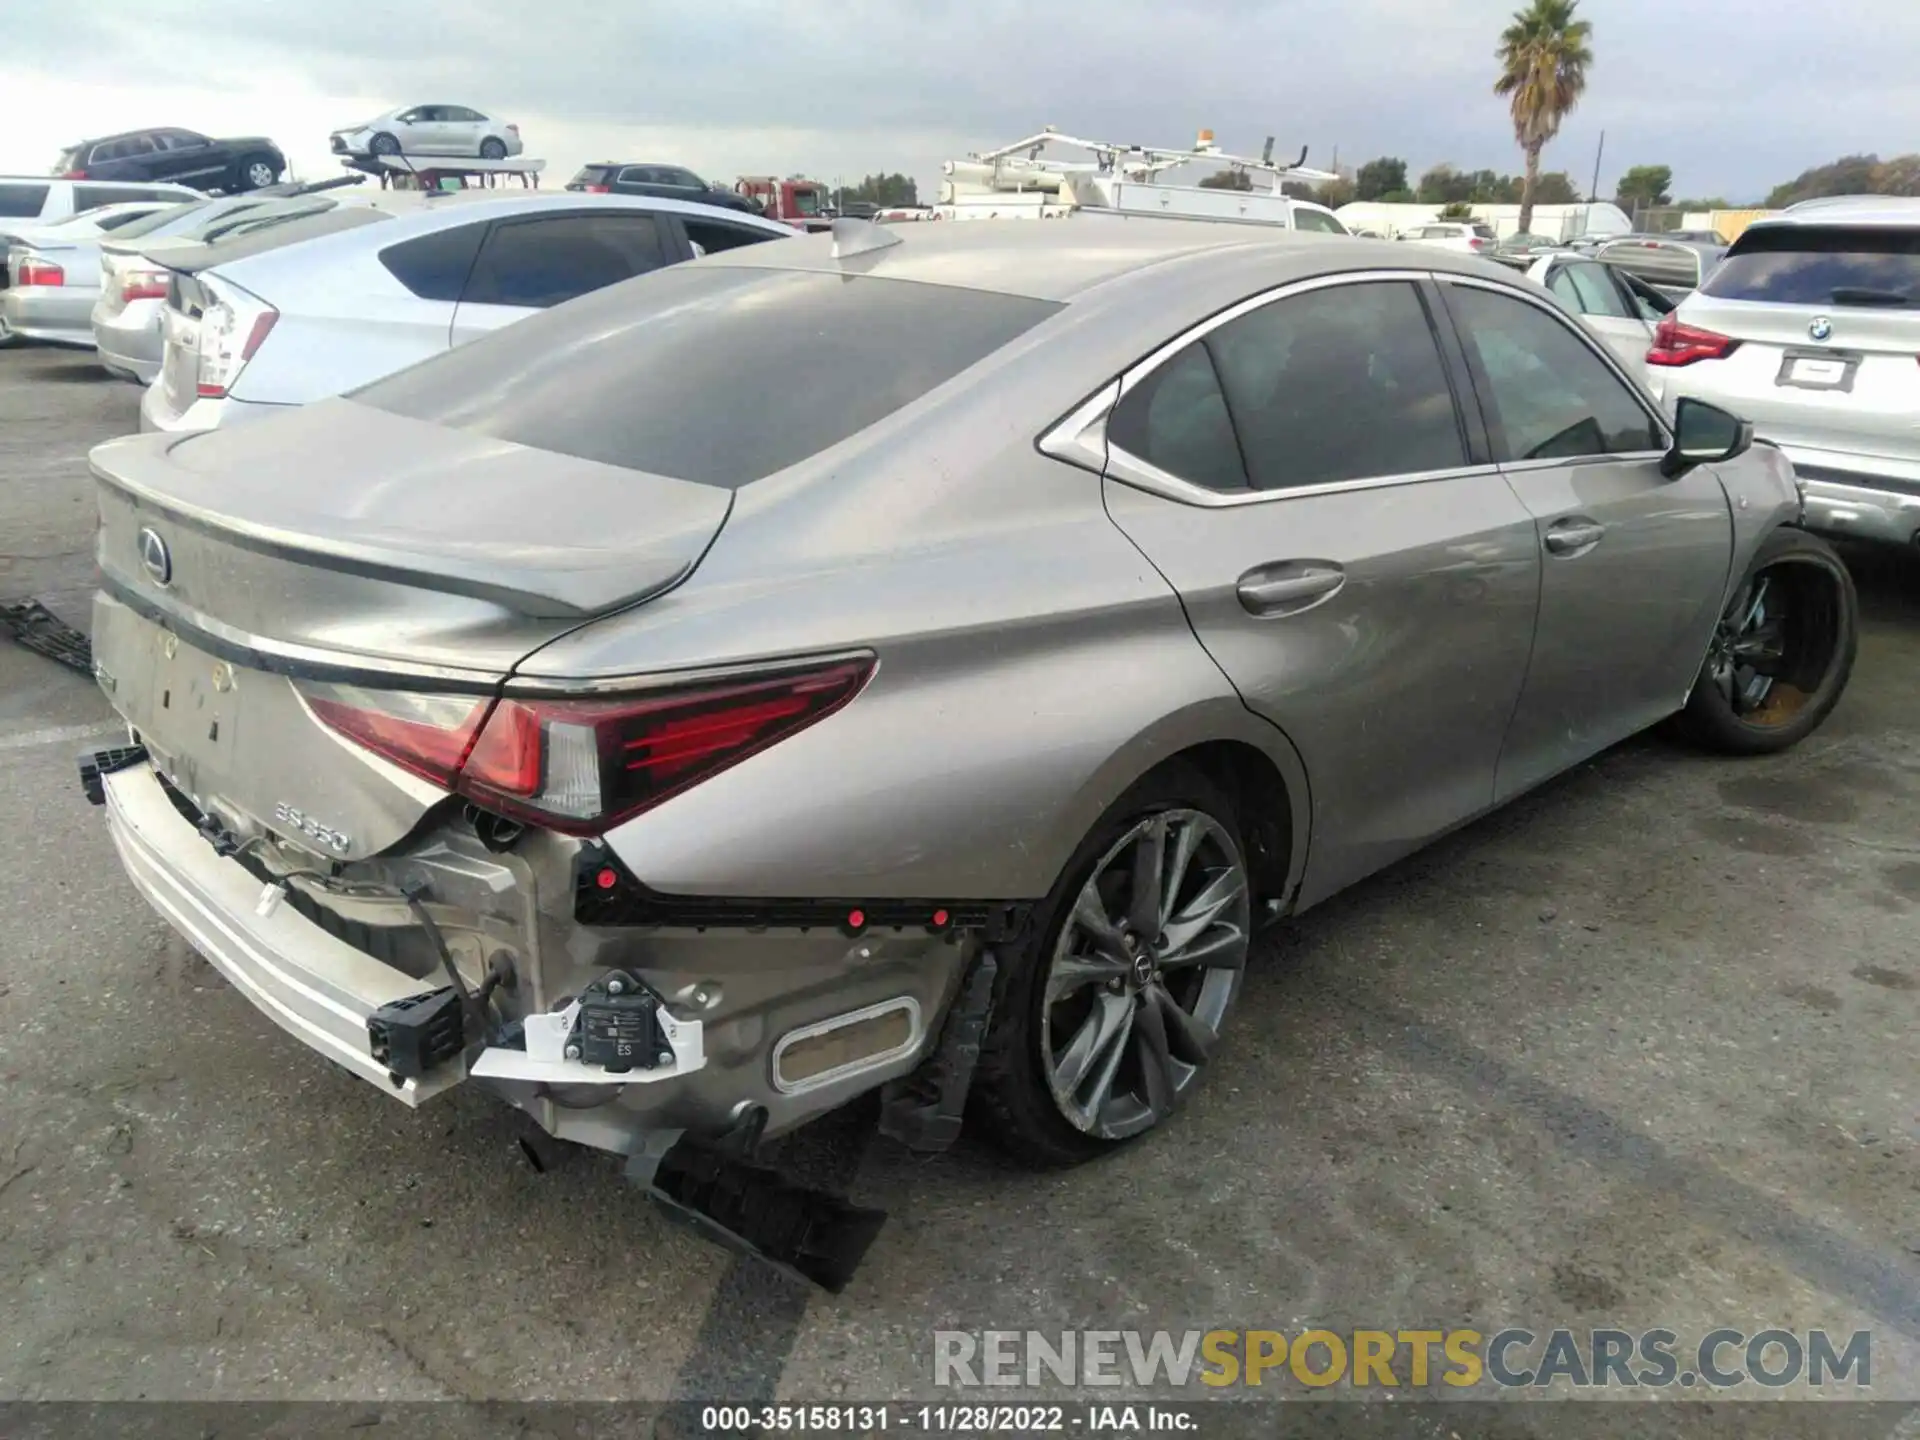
(1734, 97)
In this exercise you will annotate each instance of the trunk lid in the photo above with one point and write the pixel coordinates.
(347, 543)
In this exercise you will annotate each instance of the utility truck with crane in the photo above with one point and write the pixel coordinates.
(1021, 181)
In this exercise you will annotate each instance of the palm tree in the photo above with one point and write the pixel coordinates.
(1543, 58)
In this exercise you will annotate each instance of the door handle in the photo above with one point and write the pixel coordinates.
(1571, 537)
(1288, 587)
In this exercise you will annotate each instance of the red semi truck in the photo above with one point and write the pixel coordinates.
(803, 204)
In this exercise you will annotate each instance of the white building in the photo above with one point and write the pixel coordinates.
(1559, 222)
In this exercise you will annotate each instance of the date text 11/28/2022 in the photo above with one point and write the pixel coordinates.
(963, 1419)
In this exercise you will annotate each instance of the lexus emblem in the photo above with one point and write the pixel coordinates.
(155, 556)
(1821, 327)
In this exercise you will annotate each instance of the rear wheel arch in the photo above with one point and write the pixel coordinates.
(1250, 760)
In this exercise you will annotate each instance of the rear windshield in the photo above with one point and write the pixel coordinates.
(18, 201)
(719, 375)
(593, 174)
(1821, 265)
(146, 224)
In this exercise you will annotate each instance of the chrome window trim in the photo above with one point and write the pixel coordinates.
(1571, 324)
(1081, 437)
(916, 1035)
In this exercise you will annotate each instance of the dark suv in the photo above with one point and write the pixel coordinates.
(183, 157)
(668, 182)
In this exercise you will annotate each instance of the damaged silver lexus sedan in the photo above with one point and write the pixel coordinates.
(915, 660)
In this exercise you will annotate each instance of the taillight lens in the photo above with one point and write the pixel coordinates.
(73, 175)
(34, 271)
(143, 285)
(1676, 344)
(583, 766)
(595, 189)
(232, 328)
(1474, 242)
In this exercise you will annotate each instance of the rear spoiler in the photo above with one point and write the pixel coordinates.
(192, 259)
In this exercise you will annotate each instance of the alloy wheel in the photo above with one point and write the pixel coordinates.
(1775, 618)
(259, 175)
(1143, 972)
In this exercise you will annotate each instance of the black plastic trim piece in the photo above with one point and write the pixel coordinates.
(624, 902)
(96, 765)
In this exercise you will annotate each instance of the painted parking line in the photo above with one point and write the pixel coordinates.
(60, 734)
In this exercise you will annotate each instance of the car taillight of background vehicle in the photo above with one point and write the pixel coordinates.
(595, 189)
(1474, 242)
(143, 285)
(73, 175)
(583, 766)
(1675, 344)
(232, 328)
(41, 272)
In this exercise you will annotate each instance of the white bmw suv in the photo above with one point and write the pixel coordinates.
(1810, 328)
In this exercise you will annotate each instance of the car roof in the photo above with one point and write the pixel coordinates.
(1058, 260)
(129, 134)
(1848, 210)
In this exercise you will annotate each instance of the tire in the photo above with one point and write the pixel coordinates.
(1019, 1099)
(383, 144)
(492, 148)
(255, 172)
(1802, 635)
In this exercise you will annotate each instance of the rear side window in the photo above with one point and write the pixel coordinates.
(543, 262)
(1821, 265)
(435, 266)
(1176, 420)
(650, 376)
(1548, 396)
(1317, 220)
(22, 201)
(86, 197)
(1340, 383)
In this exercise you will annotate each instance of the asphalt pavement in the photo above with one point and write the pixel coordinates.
(1638, 1051)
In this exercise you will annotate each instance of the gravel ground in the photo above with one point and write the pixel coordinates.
(1638, 1051)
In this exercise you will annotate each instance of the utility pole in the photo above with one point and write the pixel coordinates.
(1593, 195)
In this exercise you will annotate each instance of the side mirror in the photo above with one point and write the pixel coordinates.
(1702, 435)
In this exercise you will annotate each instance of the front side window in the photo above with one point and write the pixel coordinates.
(1547, 394)
(544, 262)
(1589, 290)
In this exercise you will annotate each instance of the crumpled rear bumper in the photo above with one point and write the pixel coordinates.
(316, 988)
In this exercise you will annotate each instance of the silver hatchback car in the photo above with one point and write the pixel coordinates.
(1810, 327)
(913, 658)
(278, 315)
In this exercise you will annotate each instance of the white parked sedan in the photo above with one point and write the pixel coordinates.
(287, 313)
(1621, 309)
(50, 274)
(430, 130)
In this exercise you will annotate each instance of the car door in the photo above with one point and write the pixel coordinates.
(189, 158)
(413, 130)
(1306, 473)
(1592, 292)
(462, 129)
(1633, 564)
(531, 264)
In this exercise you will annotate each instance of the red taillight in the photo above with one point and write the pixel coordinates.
(143, 285)
(41, 272)
(1676, 344)
(595, 189)
(74, 175)
(1474, 242)
(583, 766)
